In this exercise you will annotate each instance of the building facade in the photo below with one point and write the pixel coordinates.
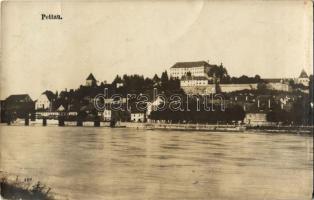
(138, 117)
(91, 80)
(303, 79)
(196, 69)
(193, 81)
(17, 106)
(107, 115)
(45, 101)
(256, 119)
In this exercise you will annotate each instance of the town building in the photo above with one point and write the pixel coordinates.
(303, 79)
(196, 69)
(193, 81)
(256, 119)
(284, 84)
(138, 116)
(91, 80)
(107, 115)
(18, 106)
(45, 101)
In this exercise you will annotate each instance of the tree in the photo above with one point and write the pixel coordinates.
(193, 115)
(246, 79)
(257, 78)
(164, 77)
(261, 87)
(217, 88)
(156, 79)
(300, 111)
(81, 115)
(278, 115)
(220, 73)
(117, 80)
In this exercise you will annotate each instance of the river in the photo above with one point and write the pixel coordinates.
(103, 163)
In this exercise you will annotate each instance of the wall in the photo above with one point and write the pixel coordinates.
(193, 82)
(278, 86)
(210, 88)
(237, 87)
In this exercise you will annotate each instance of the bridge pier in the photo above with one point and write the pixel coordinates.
(26, 121)
(60, 121)
(44, 122)
(96, 123)
(79, 123)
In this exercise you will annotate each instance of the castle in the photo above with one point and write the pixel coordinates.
(195, 79)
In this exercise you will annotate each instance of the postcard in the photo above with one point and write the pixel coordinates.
(150, 100)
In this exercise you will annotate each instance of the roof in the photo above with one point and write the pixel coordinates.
(191, 64)
(91, 77)
(19, 98)
(61, 108)
(303, 74)
(49, 95)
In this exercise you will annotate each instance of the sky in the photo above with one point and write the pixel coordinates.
(270, 38)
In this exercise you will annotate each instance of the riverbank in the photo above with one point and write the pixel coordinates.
(282, 129)
(220, 128)
(181, 127)
(16, 188)
(184, 127)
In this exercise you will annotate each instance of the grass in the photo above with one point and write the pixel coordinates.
(24, 190)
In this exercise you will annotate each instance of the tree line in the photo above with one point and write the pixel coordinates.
(192, 115)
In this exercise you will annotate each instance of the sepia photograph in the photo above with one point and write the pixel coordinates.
(156, 100)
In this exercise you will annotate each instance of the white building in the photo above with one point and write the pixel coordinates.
(303, 79)
(256, 119)
(198, 69)
(90, 80)
(193, 81)
(119, 84)
(107, 115)
(137, 116)
(44, 101)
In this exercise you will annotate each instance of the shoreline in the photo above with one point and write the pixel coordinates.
(180, 127)
(14, 187)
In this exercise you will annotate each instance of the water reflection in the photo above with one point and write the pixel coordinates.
(102, 163)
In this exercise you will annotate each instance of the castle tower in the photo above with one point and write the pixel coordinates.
(303, 79)
(90, 80)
